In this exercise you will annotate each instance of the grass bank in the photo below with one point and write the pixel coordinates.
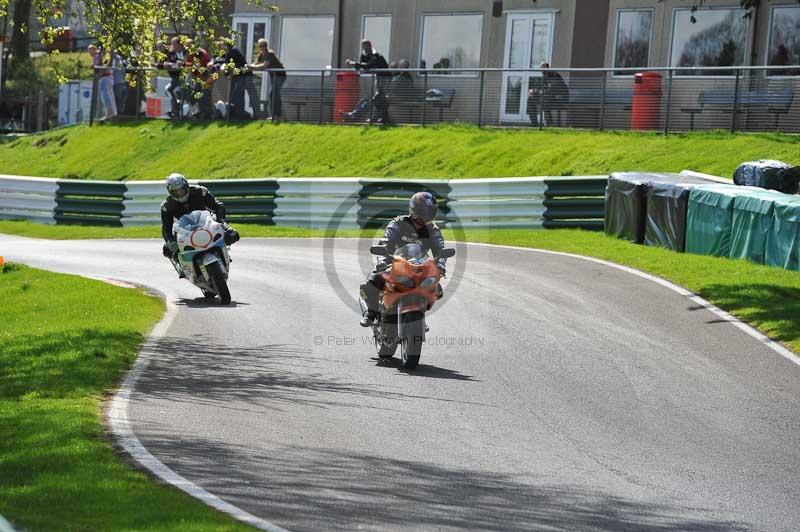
(767, 298)
(65, 341)
(153, 149)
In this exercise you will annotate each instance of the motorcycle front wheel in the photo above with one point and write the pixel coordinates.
(413, 333)
(385, 350)
(218, 281)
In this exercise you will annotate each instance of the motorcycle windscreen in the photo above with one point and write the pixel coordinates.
(412, 253)
(193, 220)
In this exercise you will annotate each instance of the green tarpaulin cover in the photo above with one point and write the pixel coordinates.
(752, 219)
(783, 241)
(709, 218)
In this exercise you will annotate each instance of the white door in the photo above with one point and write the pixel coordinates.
(529, 41)
(248, 29)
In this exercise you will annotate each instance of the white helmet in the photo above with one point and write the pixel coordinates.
(178, 187)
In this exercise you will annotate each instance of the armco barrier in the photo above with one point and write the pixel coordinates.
(89, 202)
(318, 202)
(246, 200)
(28, 198)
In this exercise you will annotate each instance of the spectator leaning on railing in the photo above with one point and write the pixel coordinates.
(172, 60)
(370, 60)
(548, 95)
(268, 61)
(105, 81)
(234, 65)
(120, 84)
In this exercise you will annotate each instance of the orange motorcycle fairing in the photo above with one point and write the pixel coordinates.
(419, 298)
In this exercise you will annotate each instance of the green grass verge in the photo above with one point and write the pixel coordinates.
(151, 150)
(768, 298)
(65, 341)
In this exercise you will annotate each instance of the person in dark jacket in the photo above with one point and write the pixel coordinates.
(172, 60)
(184, 198)
(417, 227)
(401, 89)
(371, 60)
(548, 95)
(234, 64)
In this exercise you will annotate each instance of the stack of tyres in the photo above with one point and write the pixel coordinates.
(751, 223)
(628, 213)
(783, 241)
(772, 175)
(709, 218)
(626, 206)
(667, 206)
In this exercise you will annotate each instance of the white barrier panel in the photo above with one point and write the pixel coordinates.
(477, 203)
(317, 203)
(143, 203)
(27, 198)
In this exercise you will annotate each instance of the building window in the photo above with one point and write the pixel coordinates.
(784, 40)
(632, 45)
(307, 42)
(378, 29)
(709, 38)
(451, 41)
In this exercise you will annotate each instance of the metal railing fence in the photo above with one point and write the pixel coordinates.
(663, 99)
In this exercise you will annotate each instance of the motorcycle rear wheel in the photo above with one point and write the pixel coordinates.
(413, 333)
(217, 279)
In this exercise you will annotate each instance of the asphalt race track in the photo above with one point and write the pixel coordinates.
(558, 394)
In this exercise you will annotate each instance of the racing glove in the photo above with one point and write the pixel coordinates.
(170, 249)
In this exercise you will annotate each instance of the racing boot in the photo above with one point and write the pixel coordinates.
(371, 296)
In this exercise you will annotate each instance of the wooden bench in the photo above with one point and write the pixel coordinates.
(776, 102)
(593, 97)
(596, 99)
(440, 99)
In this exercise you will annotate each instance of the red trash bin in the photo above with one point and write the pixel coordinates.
(646, 105)
(346, 95)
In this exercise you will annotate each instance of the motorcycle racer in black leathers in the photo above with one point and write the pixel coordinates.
(417, 227)
(184, 198)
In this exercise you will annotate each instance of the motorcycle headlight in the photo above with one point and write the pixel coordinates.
(408, 282)
(428, 283)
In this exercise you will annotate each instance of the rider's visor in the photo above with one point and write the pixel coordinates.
(425, 213)
(180, 194)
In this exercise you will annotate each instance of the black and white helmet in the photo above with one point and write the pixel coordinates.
(178, 187)
(423, 207)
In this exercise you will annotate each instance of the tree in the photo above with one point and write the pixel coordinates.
(130, 26)
(20, 37)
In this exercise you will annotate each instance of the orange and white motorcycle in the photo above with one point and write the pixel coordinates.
(411, 289)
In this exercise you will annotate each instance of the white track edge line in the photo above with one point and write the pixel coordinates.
(694, 298)
(123, 432)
